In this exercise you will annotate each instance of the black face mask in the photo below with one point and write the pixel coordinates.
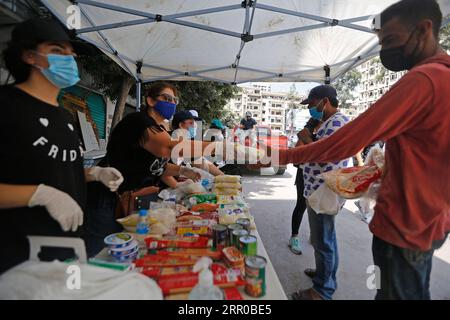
(394, 59)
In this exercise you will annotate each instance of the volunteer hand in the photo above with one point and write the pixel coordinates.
(60, 206)
(110, 177)
(189, 173)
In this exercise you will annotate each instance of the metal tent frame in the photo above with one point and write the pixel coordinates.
(250, 6)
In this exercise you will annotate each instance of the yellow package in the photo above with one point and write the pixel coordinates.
(228, 192)
(228, 185)
(227, 179)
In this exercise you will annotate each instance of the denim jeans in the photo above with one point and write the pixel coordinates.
(100, 220)
(405, 273)
(323, 240)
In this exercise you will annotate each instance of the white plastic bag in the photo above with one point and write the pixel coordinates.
(325, 201)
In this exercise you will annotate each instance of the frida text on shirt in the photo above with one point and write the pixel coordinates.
(54, 151)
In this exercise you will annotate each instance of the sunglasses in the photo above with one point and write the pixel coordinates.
(169, 98)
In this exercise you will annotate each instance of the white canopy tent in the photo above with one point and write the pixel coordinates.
(230, 41)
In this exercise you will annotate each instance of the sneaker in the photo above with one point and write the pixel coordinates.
(294, 245)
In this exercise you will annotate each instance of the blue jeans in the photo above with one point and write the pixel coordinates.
(405, 273)
(323, 240)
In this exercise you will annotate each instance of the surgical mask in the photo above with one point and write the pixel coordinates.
(315, 113)
(394, 59)
(62, 70)
(166, 109)
(192, 132)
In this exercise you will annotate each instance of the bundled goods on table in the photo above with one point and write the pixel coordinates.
(213, 226)
(227, 185)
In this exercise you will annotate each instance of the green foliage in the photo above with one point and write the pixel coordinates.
(207, 97)
(444, 37)
(345, 87)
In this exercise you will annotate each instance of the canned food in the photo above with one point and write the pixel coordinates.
(255, 276)
(245, 223)
(236, 235)
(231, 228)
(248, 245)
(220, 237)
(125, 250)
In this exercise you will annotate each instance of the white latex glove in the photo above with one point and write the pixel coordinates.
(59, 205)
(189, 173)
(185, 182)
(110, 177)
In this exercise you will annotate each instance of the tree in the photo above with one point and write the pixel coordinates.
(110, 79)
(445, 37)
(345, 87)
(292, 106)
(207, 97)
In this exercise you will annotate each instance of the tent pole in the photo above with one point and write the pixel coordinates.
(138, 85)
(327, 74)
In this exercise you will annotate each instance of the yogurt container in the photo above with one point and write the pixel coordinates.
(119, 252)
(118, 240)
(128, 257)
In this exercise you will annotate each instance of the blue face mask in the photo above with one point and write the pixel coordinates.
(166, 109)
(192, 132)
(62, 70)
(315, 113)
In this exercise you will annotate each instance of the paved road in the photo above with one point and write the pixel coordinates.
(272, 199)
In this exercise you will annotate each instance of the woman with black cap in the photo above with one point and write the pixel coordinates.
(42, 180)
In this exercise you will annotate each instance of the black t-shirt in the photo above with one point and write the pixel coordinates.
(139, 167)
(39, 145)
(248, 123)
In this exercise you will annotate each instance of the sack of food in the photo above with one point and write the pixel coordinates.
(351, 183)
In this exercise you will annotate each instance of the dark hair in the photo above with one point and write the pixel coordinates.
(334, 102)
(413, 12)
(155, 89)
(12, 56)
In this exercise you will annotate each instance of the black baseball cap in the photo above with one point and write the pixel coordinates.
(320, 92)
(181, 116)
(41, 30)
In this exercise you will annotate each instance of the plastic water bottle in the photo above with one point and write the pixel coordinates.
(142, 229)
(205, 289)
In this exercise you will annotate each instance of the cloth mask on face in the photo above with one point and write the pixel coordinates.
(62, 70)
(394, 59)
(166, 109)
(192, 132)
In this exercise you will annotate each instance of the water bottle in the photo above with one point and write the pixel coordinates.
(205, 289)
(142, 229)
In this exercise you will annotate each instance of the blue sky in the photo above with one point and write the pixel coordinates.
(302, 87)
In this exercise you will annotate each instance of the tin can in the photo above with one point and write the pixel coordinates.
(231, 228)
(255, 276)
(220, 237)
(248, 245)
(236, 235)
(245, 223)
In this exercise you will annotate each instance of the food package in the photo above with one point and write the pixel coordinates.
(192, 216)
(195, 199)
(227, 192)
(351, 183)
(232, 294)
(228, 185)
(185, 282)
(156, 272)
(227, 199)
(230, 209)
(167, 216)
(163, 261)
(195, 253)
(227, 179)
(159, 228)
(204, 207)
(195, 227)
(177, 242)
(234, 258)
(228, 219)
(130, 222)
(189, 187)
